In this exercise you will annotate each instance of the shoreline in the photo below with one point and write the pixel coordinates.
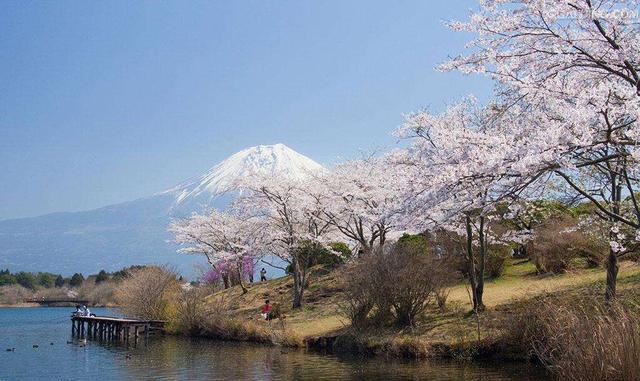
(450, 334)
(38, 305)
(20, 305)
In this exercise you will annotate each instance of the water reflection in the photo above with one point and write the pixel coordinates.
(186, 359)
(176, 358)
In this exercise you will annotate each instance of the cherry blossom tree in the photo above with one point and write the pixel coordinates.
(360, 201)
(575, 65)
(460, 165)
(223, 238)
(287, 212)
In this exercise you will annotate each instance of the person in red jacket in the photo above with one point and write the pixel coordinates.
(265, 311)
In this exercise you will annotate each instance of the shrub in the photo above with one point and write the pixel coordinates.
(102, 294)
(147, 293)
(360, 300)
(393, 285)
(450, 247)
(592, 249)
(441, 293)
(416, 243)
(411, 284)
(50, 293)
(496, 260)
(14, 294)
(555, 245)
(191, 311)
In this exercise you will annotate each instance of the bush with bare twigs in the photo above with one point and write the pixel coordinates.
(14, 294)
(191, 310)
(556, 244)
(148, 293)
(394, 285)
(496, 260)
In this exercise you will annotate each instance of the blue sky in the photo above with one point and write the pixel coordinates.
(104, 102)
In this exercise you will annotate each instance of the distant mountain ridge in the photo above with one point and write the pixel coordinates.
(135, 232)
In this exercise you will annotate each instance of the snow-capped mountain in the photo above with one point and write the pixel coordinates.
(135, 232)
(271, 160)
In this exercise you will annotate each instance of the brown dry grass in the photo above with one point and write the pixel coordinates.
(454, 331)
(576, 335)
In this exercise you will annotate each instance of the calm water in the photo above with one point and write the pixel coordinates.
(171, 358)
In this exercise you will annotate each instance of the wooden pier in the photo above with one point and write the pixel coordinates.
(105, 328)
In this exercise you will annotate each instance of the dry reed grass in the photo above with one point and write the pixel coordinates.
(580, 338)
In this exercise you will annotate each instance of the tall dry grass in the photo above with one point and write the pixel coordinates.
(586, 344)
(581, 338)
(197, 316)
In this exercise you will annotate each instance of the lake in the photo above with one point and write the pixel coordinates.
(176, 358)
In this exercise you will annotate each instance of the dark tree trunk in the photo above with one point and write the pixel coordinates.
(612, 276)
(298, 283)
(365, 249)
(244, 289)
(612, 258)
(476, 276)
(471, 262)
(481, 265)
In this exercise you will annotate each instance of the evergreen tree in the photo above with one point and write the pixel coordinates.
(102, 276)
(76, 280)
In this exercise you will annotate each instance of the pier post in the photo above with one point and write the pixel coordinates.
(111, 328)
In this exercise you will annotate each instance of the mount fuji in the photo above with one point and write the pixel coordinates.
(135, 232)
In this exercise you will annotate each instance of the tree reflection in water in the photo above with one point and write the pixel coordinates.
(174, 358)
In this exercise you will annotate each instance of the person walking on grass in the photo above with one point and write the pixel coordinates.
(263, 275)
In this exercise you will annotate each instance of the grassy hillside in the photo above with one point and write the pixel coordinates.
(320, 317)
